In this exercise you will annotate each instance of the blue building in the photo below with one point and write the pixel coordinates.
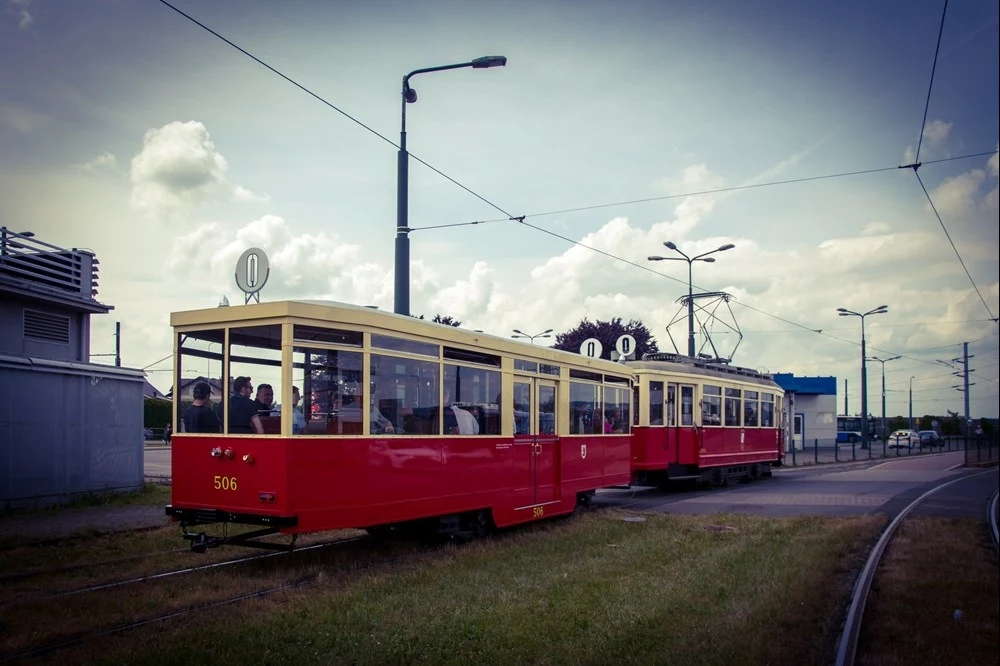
(811, 406)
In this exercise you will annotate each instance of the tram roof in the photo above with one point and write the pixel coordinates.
(318, 313)
(687, 366)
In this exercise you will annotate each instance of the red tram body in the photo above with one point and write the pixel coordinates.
(373, 447)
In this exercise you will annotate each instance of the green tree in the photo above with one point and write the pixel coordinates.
(608, 333)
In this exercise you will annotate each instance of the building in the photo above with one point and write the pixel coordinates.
(67, 426)
(811, 405)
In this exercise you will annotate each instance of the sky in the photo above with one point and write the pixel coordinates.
(129, 130)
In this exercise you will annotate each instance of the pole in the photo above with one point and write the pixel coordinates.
(965, 367)
(884, 428)
(846, 411)
(118, 344)
(690, 308)
(909, 423)
(401, 293)
(864, 388)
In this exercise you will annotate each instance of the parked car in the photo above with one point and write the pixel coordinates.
(930, 438)
(905, 438)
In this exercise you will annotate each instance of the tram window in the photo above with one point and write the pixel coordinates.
(655, 403)
(407, 346)
(546, 410)
(583, 374)
(409, 393)
(750, 409)
(672, 405)
(616, 410)
(767, 410)
(635, 405)
(200, 360)
(687, 405)
(453, 354)
(331, 336)
(477, 392)
(611, 379)
(584, 409)
(548, 369)
(333, 390)
(255, 352)
(711, 405)
(525, 366)
(733, 407)
(522, 408)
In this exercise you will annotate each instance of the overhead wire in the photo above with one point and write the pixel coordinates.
(930, 85)
(521, 218)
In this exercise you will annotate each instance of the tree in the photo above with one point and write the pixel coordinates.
(446, 319)
(608, 333)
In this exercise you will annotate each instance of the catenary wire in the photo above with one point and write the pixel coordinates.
(930, 86)
(521, 219)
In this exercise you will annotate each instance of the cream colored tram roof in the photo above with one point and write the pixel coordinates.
(333, 313)
(689, 369)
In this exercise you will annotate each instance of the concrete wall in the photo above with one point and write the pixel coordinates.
(67, 428)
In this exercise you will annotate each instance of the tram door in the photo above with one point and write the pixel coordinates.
(536, 458)
(670, 418)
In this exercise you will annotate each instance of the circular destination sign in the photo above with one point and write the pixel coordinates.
(591, 347)
(625, 345)
(252, 270)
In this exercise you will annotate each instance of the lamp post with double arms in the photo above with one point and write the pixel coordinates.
(844, 312)
(521, 334)
(690, 260)
(883, 361)
(401, 295)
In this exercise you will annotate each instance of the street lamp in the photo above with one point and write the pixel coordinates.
(701, 257)
(402, 270)
(522, 334)
(6, 234)
(883, 361)
(909, 423)
(844, 312)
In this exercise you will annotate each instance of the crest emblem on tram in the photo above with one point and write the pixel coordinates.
(252, 271)
(583, 450)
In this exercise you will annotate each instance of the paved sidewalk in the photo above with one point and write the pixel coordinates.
(41, 526)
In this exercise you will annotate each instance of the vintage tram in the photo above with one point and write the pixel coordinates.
(387, 422)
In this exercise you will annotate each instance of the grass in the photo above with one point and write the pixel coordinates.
(593, 590)
(935, 566)
(150, 494)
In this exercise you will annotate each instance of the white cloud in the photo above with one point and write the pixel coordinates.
(244, 195)
(104, 161)
(22, 119)
(21, 10)
(177, 167)
(936, 132)
(875, 228)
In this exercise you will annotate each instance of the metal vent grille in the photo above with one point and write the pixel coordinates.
(46, 327)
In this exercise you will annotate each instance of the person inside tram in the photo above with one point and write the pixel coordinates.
(351, 412)
(457, 421)
(200, 417)
(298, 418)
(264, 402)
(243, 417)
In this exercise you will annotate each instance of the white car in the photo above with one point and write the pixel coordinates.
(903, 438)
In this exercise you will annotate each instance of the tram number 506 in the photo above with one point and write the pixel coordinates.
(225, 482)
(538, 511)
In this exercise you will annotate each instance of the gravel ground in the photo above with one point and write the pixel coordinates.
(72, 522)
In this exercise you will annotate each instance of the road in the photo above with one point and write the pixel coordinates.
(826, 490)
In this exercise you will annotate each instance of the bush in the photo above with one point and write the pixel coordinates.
(156, 413)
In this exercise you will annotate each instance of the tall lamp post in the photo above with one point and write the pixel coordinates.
(844, 312)
(401, 295)
(690, 260)
(883, 361)
(909, 423)
(522, 334)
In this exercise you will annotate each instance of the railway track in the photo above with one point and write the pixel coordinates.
(847, 648)
(53, 644)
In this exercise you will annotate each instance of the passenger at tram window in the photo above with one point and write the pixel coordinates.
(613, 422)
(457, 421)
(200, 417)
(351, 413)
(298, 418)
(243, 417)
(264, 402)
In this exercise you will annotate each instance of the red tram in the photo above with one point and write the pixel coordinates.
(386, 422)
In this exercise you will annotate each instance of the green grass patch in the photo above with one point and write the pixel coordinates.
(151, 494)
(593, 590)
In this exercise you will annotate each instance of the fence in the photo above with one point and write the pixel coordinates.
(977, 449)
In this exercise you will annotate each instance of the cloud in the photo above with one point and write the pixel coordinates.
(875, 228)
(104, 161)
(22, 119)
(178, 167)
(935, 135)
(244, 195)
(20, 10)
